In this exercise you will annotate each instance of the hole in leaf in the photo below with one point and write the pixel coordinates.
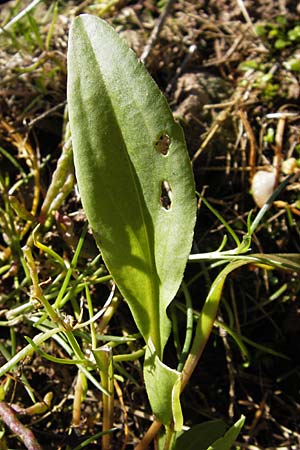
(165, 195)
(162, 144)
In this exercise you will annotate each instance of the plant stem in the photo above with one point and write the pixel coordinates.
(59, 303)
(149, 436)
(206, 320)
(24, 433)
(103, 357)
(189, 327)
(37, 291)
(110, 310)
(170, 436)
(203, 330)
(77, 401)
(20, 15)
(91, 313)
(28, 350)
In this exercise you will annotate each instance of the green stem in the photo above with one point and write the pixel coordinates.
(189, 326)
(103, 357)
(58, 303)
(170, 435)
(27, 351)
(38, 294)
(203, 330)
(221, 219)
(37, 291)
(130, 356)
(110, 311)
(64, 170)
(76, 413)
(206, 320)
(268, 204)
(91, 314)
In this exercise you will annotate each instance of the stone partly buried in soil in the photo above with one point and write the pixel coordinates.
(193, 91)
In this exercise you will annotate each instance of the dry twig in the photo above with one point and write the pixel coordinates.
(26, 435)
(156, 30)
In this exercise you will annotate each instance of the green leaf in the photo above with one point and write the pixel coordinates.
(163, 388)
(260, 30)
(287, 261)
(133, 172)
(229, 438)
(292, 64)
(281, 43)
(247, 65)
(294, 34)
(200, 436)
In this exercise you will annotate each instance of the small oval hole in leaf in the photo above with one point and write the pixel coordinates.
(165, 195)
(162, 144)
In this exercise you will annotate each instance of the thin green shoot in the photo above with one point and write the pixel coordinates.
(207, 318)
(37, 291)
(229, 313)
(125, 374)
(52, 25)
(175, 330)
(19, 311)
(91, 316)
(91, 439)
(42, 319)
(49, 251)
(118, 339)
(75, 287)
(27, 351)
(4, 269)
(264, 348)
(26, 178)
(290, 218)
(288, 261)
(59, 303)
(96, 316)
(228, 328)
(238, 340)
(268, 204)
(103, 357)
(54, 358)
(20, 15)
(189, 327)
(223, 243)
(93, 380)
(133, 356)
(61, 340)
(277, 294)
(7, 355)
(223, 221)
(13, 161)
(35, 29)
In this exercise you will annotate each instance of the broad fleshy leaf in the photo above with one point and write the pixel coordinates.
(200, 436)
(133, 172)
(163, 388)
(226, 442)
(209, 436)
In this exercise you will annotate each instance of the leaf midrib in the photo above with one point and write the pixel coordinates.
(154, 314)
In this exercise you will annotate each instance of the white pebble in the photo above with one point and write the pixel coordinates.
(263, 185)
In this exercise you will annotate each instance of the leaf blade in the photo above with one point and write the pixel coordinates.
(200, 436)
(117, 116)
(226, 442)
(163, 388)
